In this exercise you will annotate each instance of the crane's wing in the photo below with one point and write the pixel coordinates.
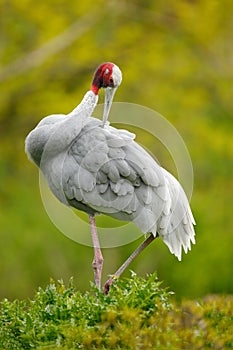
(36, 140)
(104, 170)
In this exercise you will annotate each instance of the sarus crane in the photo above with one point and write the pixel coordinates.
(96, 168)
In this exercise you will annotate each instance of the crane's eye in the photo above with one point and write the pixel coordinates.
(111, 80)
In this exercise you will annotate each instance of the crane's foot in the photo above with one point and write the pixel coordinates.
(108, 284)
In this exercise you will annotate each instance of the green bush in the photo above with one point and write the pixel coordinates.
(176, 58)
(136, 314)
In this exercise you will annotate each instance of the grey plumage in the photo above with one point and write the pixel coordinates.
(103, 170)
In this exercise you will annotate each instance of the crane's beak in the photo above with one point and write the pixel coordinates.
(109, 93)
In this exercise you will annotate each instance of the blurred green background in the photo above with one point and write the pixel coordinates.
(176, 58)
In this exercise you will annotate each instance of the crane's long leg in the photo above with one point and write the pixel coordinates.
(98, 257)
(127, 262)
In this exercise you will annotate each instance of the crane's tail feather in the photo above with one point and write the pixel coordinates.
(180, 237)
(177, 230)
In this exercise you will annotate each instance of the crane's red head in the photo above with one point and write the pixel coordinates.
(106, 75)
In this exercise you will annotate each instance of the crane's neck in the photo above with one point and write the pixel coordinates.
(87, 105)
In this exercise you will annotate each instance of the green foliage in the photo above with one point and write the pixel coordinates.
(176, 58)
(137, 314)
